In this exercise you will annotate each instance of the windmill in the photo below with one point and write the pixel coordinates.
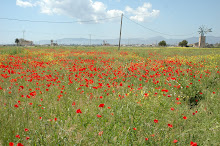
(203, 30)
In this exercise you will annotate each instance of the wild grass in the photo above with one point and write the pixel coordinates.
(142, 89)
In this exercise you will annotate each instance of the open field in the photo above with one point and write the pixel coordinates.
(102, 96)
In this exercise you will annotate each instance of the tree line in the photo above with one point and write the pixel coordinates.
(181, 44)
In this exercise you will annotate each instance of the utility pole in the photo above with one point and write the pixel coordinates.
(23, 33)
(120, 33)
(90, 39)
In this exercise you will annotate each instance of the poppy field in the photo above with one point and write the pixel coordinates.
(102, 96)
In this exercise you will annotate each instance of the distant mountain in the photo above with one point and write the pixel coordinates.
(153, 40)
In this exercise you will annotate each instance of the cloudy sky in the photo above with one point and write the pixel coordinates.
(55, 19)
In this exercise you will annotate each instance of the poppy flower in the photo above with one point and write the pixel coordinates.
(79, 111)
(11, 144)
(146, 139)
(185, 117)
(135, 128)
(99, 116)
(16, 105)
(170, 125)
(172, 108)
(100, 133)
(155, 121)
(175, 141)
(193, 143)
(18, 136)
(102, 105)
(20, 144)
(26, 129)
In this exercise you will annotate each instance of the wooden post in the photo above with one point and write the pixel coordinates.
(119, 45)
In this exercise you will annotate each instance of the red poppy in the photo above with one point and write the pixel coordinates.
(193, 143)
(26, 129)
(155, 121)
(170, 125)
(15, 105)
(185, 117)
(11, 144)
(175, 141)
(100, 133)
(99, 116)
(135, 128)
(55, 119)
(102, 105)
(172, 108)
(146, 138)
(18, 136)
(79, 111)
(20, 144)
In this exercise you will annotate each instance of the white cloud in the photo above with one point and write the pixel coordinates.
(79, 9)
(24, 3)
(88, 9)
(142, 13)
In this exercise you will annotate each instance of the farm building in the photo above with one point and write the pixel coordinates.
(23, 42)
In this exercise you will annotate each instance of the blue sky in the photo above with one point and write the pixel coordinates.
(170, 17)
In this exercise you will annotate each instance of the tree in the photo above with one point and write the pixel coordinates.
(17, 41)
(162, 43)
(183, 43)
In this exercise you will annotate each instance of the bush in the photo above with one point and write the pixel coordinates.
(162, 43)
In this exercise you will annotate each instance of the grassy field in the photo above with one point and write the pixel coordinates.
(102, 96)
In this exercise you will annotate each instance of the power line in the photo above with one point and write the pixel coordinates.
(157, 31)
(54, 33)
(67, 22)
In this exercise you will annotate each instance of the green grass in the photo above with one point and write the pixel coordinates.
(130, 82)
